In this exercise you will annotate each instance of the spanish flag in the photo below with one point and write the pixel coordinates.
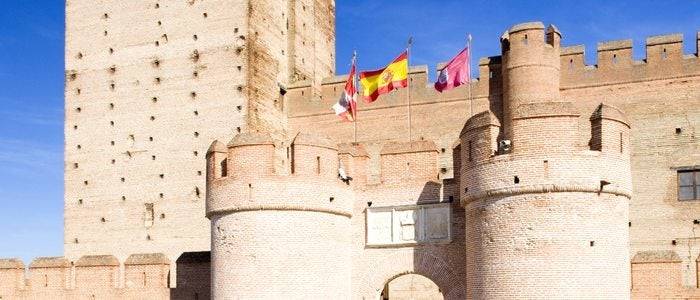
(382, 81)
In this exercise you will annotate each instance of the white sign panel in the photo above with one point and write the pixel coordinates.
(412, 224)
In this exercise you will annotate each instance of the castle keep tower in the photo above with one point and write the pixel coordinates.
(278, 230)
(545, 215)
(149, 85)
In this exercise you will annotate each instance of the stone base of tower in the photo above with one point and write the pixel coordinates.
(567, 245)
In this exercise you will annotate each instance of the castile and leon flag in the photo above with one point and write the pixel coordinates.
(346, 107)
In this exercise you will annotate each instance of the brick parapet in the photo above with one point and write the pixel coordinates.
(353, 159)
(581, 172)
(575, 74)
(401, 162)
(90, 276)
(292, 193)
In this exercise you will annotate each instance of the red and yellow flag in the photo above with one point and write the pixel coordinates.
(382, 81)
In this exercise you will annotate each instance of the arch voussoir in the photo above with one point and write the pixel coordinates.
(412, 262)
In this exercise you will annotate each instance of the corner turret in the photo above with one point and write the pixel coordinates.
(531, 63)
(258, 211)
(532, 194)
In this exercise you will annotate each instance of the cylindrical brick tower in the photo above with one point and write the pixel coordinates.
(278, 232)
(547, 218)
(530, 67)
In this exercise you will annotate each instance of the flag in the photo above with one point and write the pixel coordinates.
(455, 73)
(382, 81)
(346, 107)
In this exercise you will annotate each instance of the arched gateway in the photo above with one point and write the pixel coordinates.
(410, 262)
(411, 286)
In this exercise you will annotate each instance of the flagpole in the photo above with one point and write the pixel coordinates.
(469, 82)
(408, 86)
(354, 84)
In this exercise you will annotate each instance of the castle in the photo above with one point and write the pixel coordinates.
(202, 161)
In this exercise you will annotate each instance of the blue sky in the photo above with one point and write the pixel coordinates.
(31, 76)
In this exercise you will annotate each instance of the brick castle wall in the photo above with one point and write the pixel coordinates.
(152, 83)
(137, 100)
(658, 94)
(140, 276)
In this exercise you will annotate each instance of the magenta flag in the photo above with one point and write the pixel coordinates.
(455, 73)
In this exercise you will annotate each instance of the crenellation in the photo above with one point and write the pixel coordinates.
(11, 275)
(49, 273)
(615, 65)
(614, 45)
(573, 50)
(147, 275)
(314, 156)
(665, 50)
(673, 38)
(147, 271)
(353, 159)
(479, 139)
(256, 204)
(527, 26)
(261, 162)
(217, 163)
(614, 55)
(402, 162)
(97, 272)
(609, 130)
(553, 36)
(655, 270)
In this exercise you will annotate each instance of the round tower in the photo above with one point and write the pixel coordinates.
(278, 232)
(546, 217)
(530, 62)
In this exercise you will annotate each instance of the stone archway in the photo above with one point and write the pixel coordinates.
(410, 262)
(411, 286)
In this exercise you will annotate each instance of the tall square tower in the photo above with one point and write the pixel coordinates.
(149, 85)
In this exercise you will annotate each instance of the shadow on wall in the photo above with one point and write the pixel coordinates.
(193, 276)
(430, 193)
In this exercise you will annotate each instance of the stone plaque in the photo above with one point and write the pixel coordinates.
(408, 224)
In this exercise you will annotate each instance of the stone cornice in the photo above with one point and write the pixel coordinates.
(545, 188)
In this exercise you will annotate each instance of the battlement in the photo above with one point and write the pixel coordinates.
(403, 163)
(615, 65)
(658, 274)
(253, 155)
(301, 104)
(353, 158)
(244, 176)
(143, 276)
(261, 172)
(543, 151)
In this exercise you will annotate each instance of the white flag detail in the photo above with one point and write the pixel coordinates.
(346, 107)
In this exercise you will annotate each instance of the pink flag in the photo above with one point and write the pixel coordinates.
(455, 73)
(346, 107)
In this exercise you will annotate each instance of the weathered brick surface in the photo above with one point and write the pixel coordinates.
(150, 85)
